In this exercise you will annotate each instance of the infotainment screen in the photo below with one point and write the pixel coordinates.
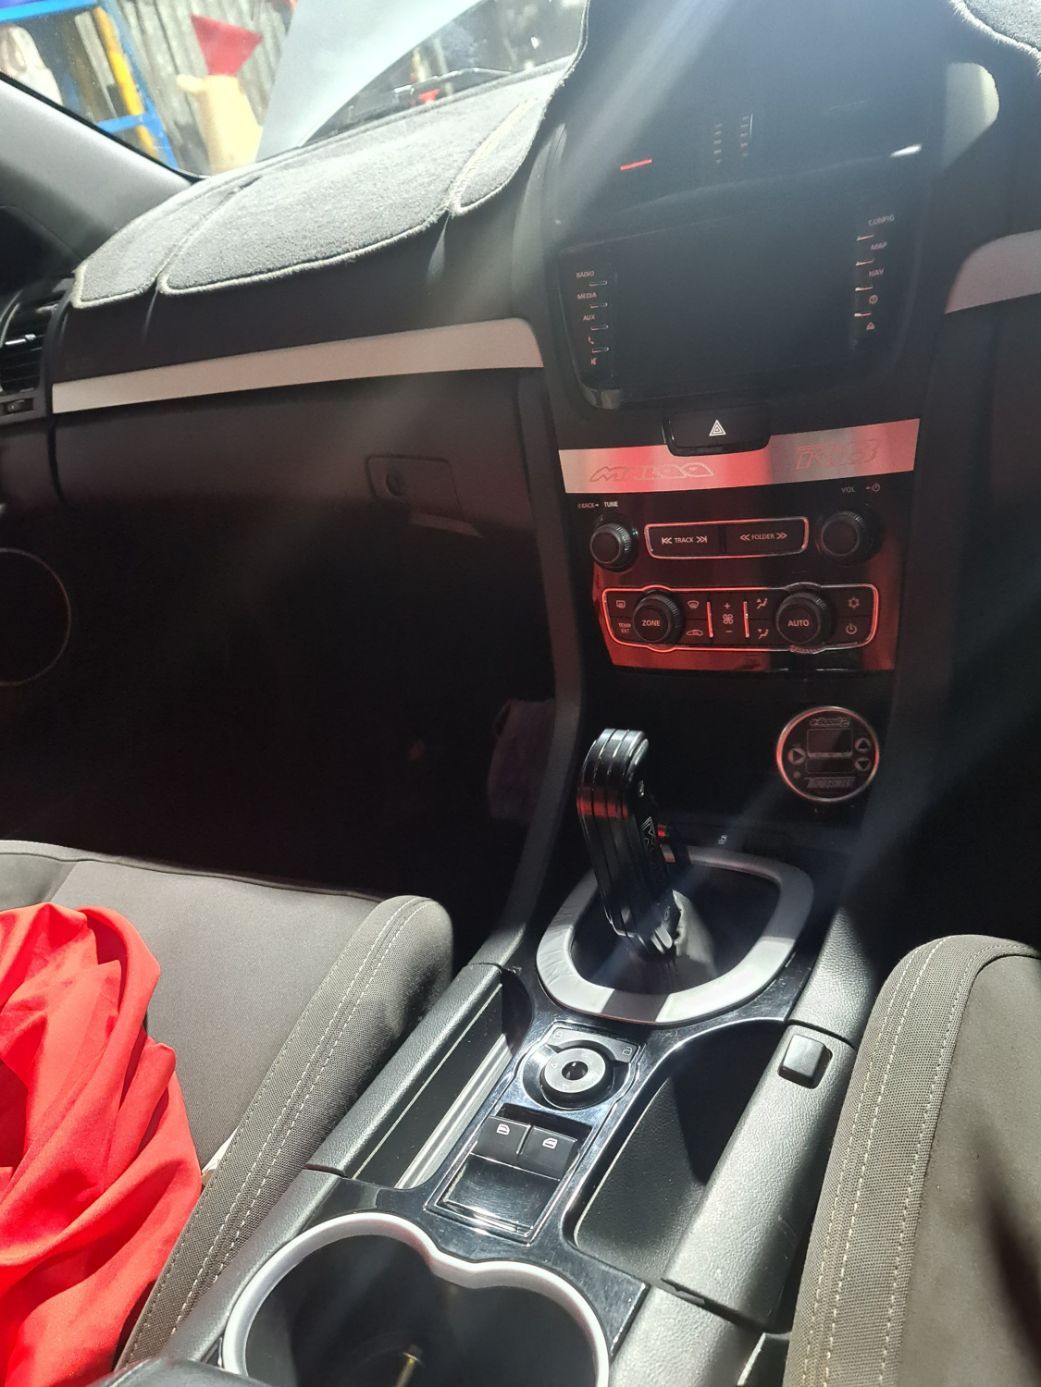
(740, 297)
(702, 305)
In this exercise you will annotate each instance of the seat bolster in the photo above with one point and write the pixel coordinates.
(852, 1305)
(161, 1372)
(393, 968)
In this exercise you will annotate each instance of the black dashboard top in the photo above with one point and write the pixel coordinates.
(728, 156)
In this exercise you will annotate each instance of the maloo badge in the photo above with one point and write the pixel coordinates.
(857, 453)
(651, 472)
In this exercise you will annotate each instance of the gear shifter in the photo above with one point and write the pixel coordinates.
(621, 832)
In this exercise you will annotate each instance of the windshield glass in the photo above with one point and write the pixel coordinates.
(215, 84)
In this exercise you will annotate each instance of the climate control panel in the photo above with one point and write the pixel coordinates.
(802, 576)
(805, 618)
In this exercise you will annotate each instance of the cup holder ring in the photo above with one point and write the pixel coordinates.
(441, 1266)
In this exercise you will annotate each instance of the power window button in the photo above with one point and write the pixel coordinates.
(500, 1139)
(546, 1153)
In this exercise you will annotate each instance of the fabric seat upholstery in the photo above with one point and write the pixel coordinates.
(239, 959)
(923, 1266)
(281, 1002)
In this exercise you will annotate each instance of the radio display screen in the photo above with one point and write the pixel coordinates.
(732, 299)
(761, 285)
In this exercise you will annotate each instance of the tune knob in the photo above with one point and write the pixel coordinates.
(804, 619)
(611, 545)
(847, 536)
(657, 619)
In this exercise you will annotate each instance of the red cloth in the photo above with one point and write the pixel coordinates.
(98, 1173)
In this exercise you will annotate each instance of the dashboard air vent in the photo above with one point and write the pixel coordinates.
(21, 343)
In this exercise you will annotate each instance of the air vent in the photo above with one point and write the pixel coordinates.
(21, 345)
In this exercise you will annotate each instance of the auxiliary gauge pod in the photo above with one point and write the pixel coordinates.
(621, 832)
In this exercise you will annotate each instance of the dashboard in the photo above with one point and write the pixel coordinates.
(741, 301)
(726, 260)
(718, 420)
(756, 225)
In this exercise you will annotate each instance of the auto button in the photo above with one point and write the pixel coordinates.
(804, 619)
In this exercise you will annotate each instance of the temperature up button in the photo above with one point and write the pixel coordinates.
(828, 755)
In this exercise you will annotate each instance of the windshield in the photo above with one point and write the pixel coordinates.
(212, 85)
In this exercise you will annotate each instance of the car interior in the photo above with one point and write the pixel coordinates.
(529, 603)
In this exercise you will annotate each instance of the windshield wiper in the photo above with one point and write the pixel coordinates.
(468, 76)
(333, 53)
(402, 98)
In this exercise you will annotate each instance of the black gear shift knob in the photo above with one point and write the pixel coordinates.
(621, 831)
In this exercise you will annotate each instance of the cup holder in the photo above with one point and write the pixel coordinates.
(368, 1300)
(35, 618)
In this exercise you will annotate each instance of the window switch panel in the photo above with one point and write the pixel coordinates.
(500, 1139)
(546, 1153)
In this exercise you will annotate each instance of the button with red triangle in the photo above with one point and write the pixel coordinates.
(733, 430)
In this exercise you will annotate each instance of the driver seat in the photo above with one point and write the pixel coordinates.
(281, 1003)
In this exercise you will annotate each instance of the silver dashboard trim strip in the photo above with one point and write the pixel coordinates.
(1008, 268)
(502, 344)
(866, 450)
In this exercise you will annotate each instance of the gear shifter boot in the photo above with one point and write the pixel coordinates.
(621, 832)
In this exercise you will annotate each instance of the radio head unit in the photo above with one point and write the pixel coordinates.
(751, 294)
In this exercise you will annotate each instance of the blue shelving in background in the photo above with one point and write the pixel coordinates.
(148, 118)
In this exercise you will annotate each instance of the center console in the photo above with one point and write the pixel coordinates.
(571, 1175)
(783, 557)
(734, 285)
(600, 1161)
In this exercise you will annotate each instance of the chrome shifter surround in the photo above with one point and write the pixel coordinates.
(765, 959)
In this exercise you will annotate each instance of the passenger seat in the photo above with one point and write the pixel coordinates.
(923, 1267)
(281, 1002)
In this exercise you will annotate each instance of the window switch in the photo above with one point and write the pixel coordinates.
(805, 1061)
(500, 1139)
(546, 1153)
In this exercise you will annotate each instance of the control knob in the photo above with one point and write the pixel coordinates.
(848, 536)
(804, 618)
(657, 619)
(611, 545)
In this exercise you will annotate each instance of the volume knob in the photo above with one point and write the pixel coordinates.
(848, 536)
(611, 545)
